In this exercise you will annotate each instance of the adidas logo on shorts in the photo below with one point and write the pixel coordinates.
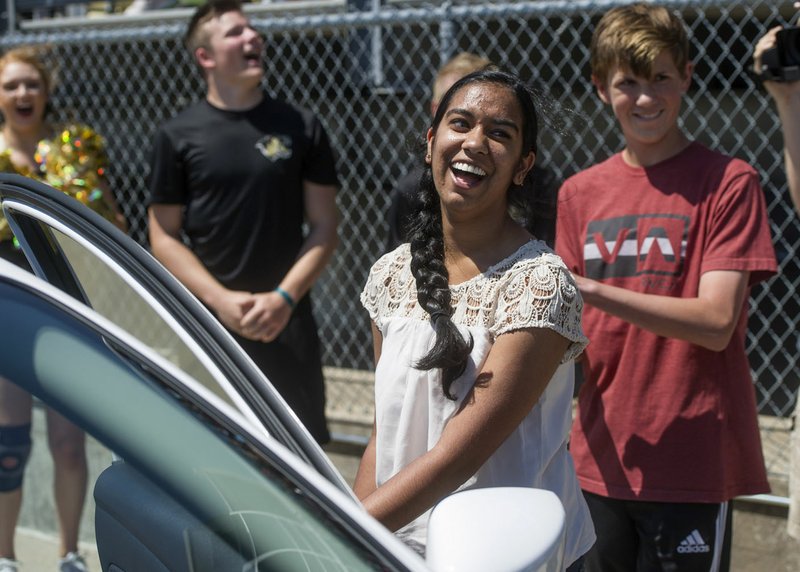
(693, 543)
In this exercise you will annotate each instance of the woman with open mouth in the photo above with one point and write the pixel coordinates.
(70, 158)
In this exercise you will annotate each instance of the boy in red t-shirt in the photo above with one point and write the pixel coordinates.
(665, 239)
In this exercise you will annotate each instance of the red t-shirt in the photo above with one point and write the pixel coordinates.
(661, 419)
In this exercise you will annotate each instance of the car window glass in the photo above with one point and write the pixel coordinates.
(99, 266)
(219, 481)
(113, 298)
(228, 498)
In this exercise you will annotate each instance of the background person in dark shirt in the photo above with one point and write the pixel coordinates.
(239, 174)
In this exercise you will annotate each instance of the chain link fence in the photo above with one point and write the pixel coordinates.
(365, 68)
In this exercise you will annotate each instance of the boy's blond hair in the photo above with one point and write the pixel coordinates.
(458, 66)
(631, 37)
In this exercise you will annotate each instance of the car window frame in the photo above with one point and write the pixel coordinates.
(218, 416)
(140, 270)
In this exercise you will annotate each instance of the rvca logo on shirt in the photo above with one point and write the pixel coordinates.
(275, 147)
(637, 245)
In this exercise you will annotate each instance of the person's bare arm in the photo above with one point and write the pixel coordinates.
(708, 320)
(365, 482)
(270, 313)
(111, 202)
(516, 372)
(787, 102)
(164, 224)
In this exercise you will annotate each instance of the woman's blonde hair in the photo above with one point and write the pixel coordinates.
(33, 57)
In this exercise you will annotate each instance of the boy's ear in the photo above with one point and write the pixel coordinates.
(429, 137)
(602, 89)
(204, 57)
(687, 76)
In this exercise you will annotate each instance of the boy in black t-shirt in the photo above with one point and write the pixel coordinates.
(240, 173)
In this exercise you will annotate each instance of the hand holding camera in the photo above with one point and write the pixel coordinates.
(777, 55)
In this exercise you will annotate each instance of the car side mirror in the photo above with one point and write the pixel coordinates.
(501, 528)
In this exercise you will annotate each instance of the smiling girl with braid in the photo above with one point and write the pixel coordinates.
(476, 324)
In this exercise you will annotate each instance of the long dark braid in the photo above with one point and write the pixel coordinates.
(450, 351)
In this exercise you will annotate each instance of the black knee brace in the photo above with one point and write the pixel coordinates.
(15, 448)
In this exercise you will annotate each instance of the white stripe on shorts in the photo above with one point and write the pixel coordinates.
(722, 517)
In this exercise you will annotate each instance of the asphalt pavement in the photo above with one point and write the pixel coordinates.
(38, 551)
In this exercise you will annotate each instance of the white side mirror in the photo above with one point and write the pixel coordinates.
(502, 529)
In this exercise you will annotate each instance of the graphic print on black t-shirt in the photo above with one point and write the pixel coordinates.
(636, 245)
(275, 147)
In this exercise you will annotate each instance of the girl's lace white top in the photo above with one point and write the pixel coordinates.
(529, 289)
(532, 288)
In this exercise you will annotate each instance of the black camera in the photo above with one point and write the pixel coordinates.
(782, 63)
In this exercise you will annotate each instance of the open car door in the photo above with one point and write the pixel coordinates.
(196, 486)
(85, 256)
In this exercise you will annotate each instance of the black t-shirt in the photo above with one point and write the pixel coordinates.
(239, 175)
(405, 203)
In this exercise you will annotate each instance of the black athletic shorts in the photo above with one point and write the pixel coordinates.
(639, 536)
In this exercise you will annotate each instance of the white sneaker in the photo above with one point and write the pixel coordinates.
(72, 562)
(9, 565)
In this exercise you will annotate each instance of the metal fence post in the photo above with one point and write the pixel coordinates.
(11, 16)
(446, 33)
(377, 48)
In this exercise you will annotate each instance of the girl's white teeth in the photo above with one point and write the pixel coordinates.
(467, 168)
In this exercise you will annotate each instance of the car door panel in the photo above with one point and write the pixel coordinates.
(139, 527)
(272, 509)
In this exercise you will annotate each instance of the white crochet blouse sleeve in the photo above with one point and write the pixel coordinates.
(530, 289)
(390, 289)
(540, 292)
